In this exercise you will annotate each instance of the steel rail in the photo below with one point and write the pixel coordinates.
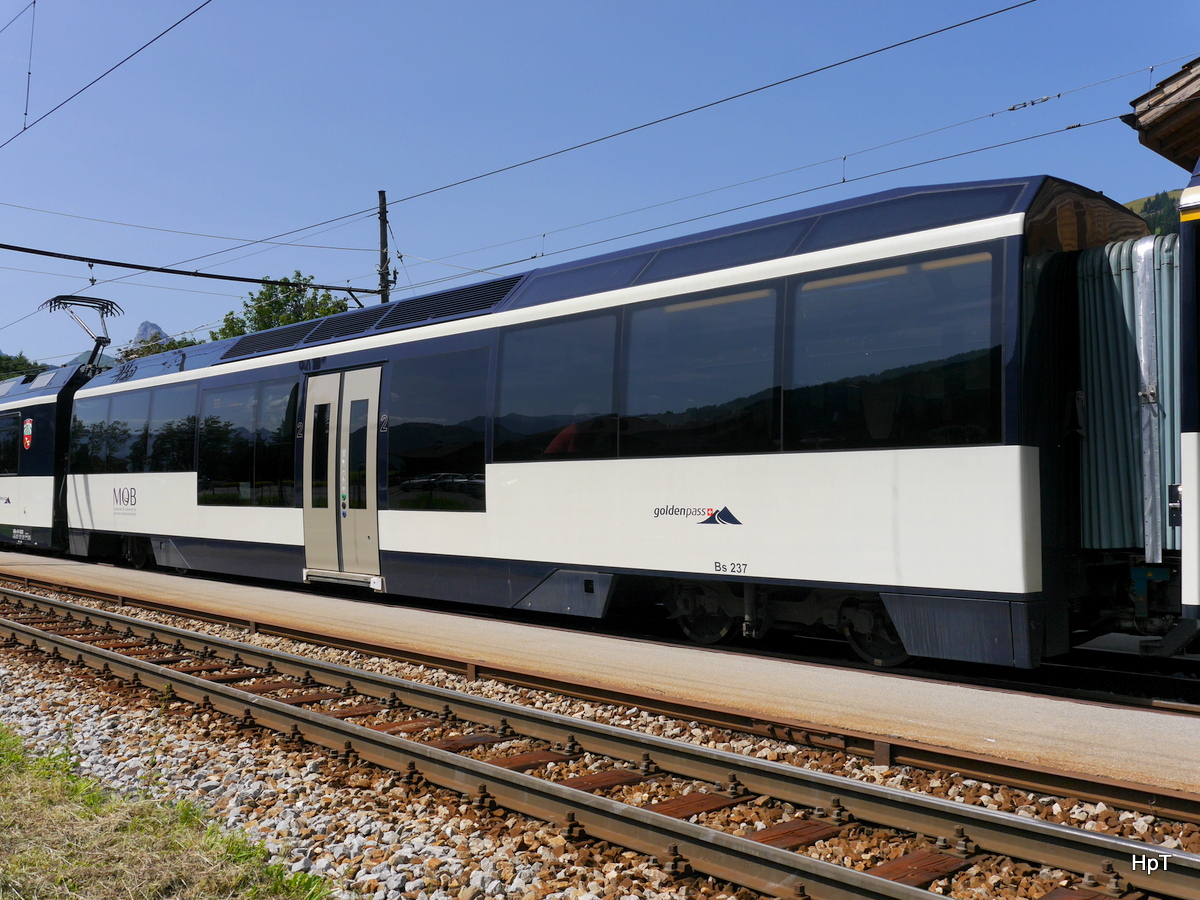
(994, 832)
(728, 857)
(1179, 805)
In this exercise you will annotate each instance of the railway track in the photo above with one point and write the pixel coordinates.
(495, 753)
(878, 749)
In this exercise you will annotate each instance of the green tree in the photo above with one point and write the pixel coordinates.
(18, 365)
(156, 343)
(1161, 213)
(279, 304)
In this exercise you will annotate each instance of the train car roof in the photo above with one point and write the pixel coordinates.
(880, 215)
(23, 388)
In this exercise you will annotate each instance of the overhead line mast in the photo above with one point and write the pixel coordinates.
(385, 277)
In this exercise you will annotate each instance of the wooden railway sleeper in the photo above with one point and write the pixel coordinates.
(1043, 841)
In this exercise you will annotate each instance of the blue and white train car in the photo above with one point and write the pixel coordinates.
(35, 419)
(898, 416)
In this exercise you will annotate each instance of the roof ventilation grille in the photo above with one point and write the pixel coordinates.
(475, 298)
(346, 324)
(264, 341)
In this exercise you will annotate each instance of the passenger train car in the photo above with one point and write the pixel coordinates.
(954, 421)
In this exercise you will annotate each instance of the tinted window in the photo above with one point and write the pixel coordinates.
(556, 395)
(580, 281)
(917, 212)
(437, 408)
(128, 418)
(89, 449)
(172, 437)
(725, 251)
(320, 457)
(247, 445)
(356, 475)
(10, 441)
(899, 353)
(275, 444)
(225, 471)
(701, 376)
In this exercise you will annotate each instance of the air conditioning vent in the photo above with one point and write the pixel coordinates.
(346, 324)
(266, 341)
(475, 298)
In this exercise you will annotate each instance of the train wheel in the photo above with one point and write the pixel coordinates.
(139, 553)
(870, 632)
(702, 611)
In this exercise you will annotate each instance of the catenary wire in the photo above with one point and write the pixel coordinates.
(29, 67)
(417, 285)
(217, 237)
(17, 16)
(1058, 131)
(695, 109)
(226, 250)
(632, 129)
(165, 270)
(442, 260)
(137, 284)
(808, 190)
(104, 74)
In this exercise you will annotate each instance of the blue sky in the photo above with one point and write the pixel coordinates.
(258, 117)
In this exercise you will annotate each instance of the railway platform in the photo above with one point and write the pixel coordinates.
(1142, 746)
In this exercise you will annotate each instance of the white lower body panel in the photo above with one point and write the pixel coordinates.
(1190, 532)
(27, 500)
(165, 504)
(962, 518)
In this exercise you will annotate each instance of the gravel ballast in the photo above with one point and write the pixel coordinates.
(371, 835)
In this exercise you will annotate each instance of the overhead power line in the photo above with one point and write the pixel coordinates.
(1078, 126)
(842, 157)
(635, 128)
(29, 68)
(17, 16)
(200, 234)
(809, 190)
(112, 69)
(711, 104)
(166, 271)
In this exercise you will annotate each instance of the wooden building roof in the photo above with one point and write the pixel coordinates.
(1167, 117)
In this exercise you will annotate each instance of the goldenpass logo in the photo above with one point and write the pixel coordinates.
(710, 515)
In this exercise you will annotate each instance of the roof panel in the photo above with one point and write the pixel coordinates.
(849, 221)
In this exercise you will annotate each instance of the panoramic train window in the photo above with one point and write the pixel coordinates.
(900, 353)
(89, 449)
(701, 375)
(275, 444)
(10, 442)
(556, 398)
(172, 437)
(126, 432)
(246, 445)
(436, 414)
(225, 463)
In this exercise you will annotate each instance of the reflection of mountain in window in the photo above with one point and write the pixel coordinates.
(172, 432)
(437, 410)
(555, 397)
(701, 375)
(246, 445)
(901, 353)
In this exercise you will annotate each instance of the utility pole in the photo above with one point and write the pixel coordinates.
(385, 279)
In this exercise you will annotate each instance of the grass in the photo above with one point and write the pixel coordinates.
(63, 836)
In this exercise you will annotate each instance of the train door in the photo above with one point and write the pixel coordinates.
(341, 521)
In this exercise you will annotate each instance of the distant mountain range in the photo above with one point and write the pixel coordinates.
(104, 361)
